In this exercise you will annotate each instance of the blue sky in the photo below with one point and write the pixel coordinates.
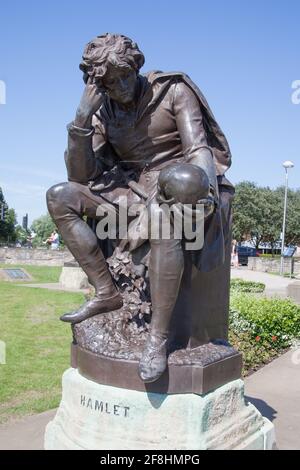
(244, 56)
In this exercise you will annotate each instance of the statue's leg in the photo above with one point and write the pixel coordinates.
(165, 273)
(67, 203)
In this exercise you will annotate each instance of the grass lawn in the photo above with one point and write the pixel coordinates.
(37, 344)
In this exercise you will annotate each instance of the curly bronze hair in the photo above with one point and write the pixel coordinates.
(115, 49)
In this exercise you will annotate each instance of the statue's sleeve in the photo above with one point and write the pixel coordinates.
(83, 156)
(192, 133)
(99, 137)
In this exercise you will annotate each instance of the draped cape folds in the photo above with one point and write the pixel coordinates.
(217, 229)
(216, 139)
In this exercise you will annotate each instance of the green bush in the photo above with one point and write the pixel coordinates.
(255, 353)
(260, 328)
(240, 285)
(275, 322)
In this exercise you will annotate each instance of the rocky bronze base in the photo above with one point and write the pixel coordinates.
(196, 371)
(107, 349)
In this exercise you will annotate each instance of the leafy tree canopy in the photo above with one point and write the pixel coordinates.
(258, 214)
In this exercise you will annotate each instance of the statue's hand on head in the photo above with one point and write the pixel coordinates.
(90, 102)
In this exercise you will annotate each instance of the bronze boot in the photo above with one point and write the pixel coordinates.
(165, 272)
(154, 359)
(107, 298)
(83, 244)
(99, 304)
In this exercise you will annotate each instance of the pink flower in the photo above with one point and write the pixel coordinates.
(257, 338)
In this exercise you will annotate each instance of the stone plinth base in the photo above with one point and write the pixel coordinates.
(94, 416)
(73, 278)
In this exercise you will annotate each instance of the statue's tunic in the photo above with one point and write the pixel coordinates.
(171, 123)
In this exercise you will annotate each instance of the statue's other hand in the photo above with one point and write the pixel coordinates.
(209, 204)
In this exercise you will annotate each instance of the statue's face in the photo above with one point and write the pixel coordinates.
(120, 84)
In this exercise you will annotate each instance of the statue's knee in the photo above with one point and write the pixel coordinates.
(56, 197)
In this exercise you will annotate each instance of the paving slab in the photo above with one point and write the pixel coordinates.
(275, 391)
(27, 433)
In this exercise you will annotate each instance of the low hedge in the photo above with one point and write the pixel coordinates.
(261, 328)
(274, 321)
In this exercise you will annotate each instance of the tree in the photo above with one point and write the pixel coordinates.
(11, 222)
(8, 221)
(292, 231)
(270, 222)
(258, 213)
(255, 214)
(21, 234)
(3, 211)
(43, 227)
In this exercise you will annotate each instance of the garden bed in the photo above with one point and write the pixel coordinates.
(261, 328)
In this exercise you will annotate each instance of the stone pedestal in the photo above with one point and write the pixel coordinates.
(95, 416)
(73, 277)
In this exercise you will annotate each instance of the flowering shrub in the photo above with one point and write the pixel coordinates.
(255, 351)
(261, 328)
(238, 323)
(246, 286)
(274, 321)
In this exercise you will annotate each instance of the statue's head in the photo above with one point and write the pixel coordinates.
(112, 62)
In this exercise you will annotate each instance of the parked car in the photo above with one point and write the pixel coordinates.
(244, 252)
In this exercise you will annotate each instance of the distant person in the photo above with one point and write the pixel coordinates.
(234, 254)
(29, 241)
(53, 240)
